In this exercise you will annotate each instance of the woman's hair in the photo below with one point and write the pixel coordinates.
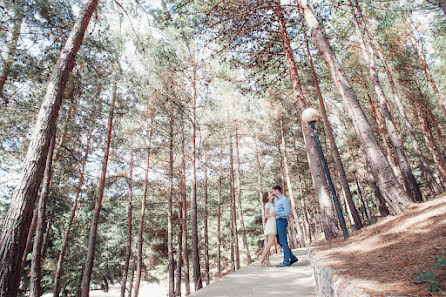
(265, 197)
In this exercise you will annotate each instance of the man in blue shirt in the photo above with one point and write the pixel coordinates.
(282, 211)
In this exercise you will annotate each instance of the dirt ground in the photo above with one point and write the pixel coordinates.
(389, 254)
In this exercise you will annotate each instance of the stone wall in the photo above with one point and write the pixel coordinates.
(329, 284)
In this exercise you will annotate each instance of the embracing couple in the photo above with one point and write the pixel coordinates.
(277, 210)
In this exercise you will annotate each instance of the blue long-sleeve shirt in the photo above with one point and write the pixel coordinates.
(281, 207)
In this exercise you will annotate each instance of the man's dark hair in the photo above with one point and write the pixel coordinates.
(277, 187)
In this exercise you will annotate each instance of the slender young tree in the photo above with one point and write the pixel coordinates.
(169, 207)
(63, 249)
(239, 197)
(193, 213)
(295, 217)
(206, 214)
(259, 181)
(86, 277)
(220, 177)
(179, 260)
(184, 213)
(18, 218)
(394, 194)
(36, 262)
(233, 224)
(139, 243)
(128, 247)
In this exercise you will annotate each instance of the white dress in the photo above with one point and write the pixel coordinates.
(270, 225)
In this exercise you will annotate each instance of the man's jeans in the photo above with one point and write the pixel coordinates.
(283, 239)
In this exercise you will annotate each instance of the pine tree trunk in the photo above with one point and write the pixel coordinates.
(63, 249)
(193, 213)
(296, 224)
(36, 262)
(220, 177)
(184, 213)
(129, 294)
(381, 129)
(328, 214)
(339, 165)
(19, 13)
(169, 208)
(29, 239)
(18, 218)
(206, 213)
(239, 198)
(233, 207)
(232, 226)
(179, 262)
(433, 185)
(409, 180)
(394, 194)
(139, 243)
(282, 174)
(98, 203)
(128, 248)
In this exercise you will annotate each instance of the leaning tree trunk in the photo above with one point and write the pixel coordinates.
(433, 185)
(98, 203)
(339, 165)
(394, 194)
(328, 214)
(128, 248)
(409, 180)
(18, 218)
(63, 249)
(193, 213)
(143, 209)
(36, 262)
(220, 176)
(301, 242)
(239, 198)
(19, 13)
(169, 209)
(184, 213)
(206, 214)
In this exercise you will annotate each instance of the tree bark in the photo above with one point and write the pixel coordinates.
(409, 180)
(328, 214)
(169, 208)
(143, 209)
(220, 177)
(233, 206)
(179, 262)
(239, 198)
(128, 248)
(300, 237)
(36, 262)
(259, 181)
(339, 165)
(63, 249)
(282, 174)
(19, 13)
(394, 194)
(206, 213)
(193, 213)
(98, 203)
(184, 213)
(18, 218)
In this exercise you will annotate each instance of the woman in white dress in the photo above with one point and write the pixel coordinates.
(270, 228)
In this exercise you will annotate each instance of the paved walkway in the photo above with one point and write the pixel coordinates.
(255, 280)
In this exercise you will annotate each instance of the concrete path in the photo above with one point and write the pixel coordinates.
(255, 280)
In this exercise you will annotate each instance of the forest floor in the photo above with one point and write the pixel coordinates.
(388, 255)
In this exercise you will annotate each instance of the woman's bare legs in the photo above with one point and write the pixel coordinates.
(266, 250)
